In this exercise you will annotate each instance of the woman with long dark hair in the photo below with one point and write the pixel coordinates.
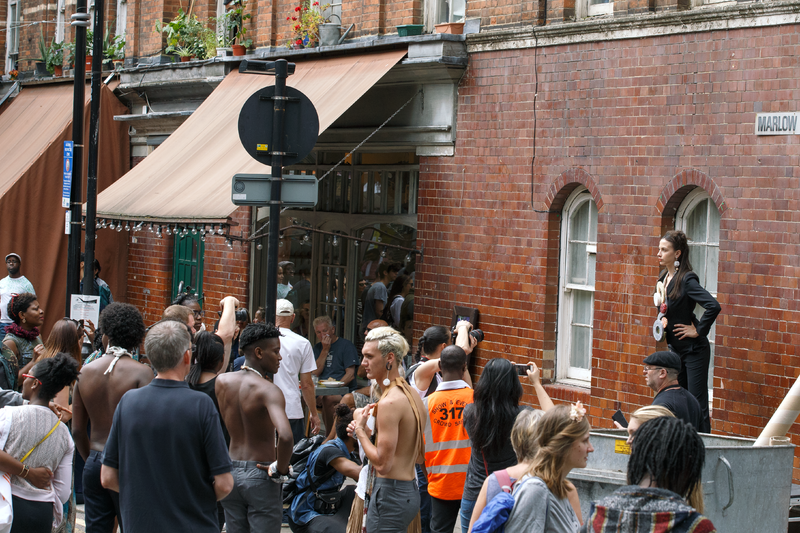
(686, 335)
(36, 436)
(488, 421)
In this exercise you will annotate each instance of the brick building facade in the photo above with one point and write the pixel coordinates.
(642, 117)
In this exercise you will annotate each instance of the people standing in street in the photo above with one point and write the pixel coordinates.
(447, 445)
(398, 420)
(22, 341)
(661, 373)
(540, 497)
(14, 283)
(488, 422)
(253, 410)
(165, 453)
(193, 302)
(337, 359)
(95, 397)
(35, 434)
(297, 364)
(664, 472)
(377, 295)
(686, 335)
(100, 287)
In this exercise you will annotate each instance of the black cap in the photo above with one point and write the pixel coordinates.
(664, 360)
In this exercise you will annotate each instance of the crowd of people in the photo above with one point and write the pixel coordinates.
(183, 427)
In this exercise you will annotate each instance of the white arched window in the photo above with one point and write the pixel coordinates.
(698, 218)
(577, 268)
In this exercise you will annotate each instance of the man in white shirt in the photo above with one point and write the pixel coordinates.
(14, 283)
(297, 363)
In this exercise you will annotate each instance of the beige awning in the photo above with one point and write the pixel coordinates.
(188, 177)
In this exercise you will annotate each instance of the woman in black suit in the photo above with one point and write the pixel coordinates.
(687, 336)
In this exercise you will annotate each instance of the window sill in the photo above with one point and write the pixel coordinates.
(601, 9)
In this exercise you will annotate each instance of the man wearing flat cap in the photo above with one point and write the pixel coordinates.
(14, 283)
(661, 373)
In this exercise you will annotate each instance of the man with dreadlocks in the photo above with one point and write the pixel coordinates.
(664, 492)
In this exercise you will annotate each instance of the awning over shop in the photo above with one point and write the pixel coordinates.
(187, 178)
(32, 130)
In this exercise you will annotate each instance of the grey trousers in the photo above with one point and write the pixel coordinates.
(393, 505)
(255, 503)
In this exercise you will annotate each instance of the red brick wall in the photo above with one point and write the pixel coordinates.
(225, 271)
(641, 119)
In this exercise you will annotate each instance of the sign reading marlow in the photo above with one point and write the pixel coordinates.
(777, 124)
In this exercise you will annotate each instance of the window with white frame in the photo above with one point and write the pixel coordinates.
(698, 217)
(60, 20)
(12, 34)
(441, 11)
(221, 29)
(577, 269)
(593, 8)
(122, 18)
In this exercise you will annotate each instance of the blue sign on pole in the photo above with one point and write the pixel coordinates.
(67, 187)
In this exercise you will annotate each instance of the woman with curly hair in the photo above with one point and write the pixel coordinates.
(37, 437)
(541, 504)
(22, 341)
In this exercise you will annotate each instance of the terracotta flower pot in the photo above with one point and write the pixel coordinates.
(58, 71)
(456, 28)
(185, 59)
(238, 50)
(88, 63)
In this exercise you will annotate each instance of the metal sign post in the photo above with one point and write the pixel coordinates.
(265, 138)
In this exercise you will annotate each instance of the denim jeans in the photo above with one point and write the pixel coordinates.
(424, 501)
(466, 514)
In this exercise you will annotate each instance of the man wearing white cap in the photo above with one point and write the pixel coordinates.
(14, 283)
(297, 363)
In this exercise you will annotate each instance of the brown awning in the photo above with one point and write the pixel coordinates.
(32, 130)
(188, 177)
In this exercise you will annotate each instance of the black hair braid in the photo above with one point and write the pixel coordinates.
(55, 373)
(420, 347)
(671, 452)
(256, 332)
(209, 352)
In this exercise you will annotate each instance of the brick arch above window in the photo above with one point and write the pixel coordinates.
(563, 186)
(674, 193)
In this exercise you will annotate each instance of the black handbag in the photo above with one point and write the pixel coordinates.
(327, 501)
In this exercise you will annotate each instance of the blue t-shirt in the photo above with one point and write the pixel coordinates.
(341, 356)
(302, 510)
(166, 441)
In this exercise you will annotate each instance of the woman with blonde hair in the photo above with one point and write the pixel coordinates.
(541, 504)
(642, 415)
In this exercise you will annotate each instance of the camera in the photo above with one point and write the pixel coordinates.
(522, 370)
(476, 333)
(241, 315)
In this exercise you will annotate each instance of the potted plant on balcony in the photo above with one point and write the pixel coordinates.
(52, 58)
(114, 49)
(306, 20)
(182, 33)
(234, 29)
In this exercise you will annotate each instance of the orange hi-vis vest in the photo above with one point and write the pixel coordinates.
(447, 445)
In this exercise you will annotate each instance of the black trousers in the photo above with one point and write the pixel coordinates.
(695, 360)
(444, 514)
(31, 517)
(101, 504)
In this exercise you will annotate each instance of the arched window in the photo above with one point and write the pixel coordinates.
(698, 218)
(577, 268)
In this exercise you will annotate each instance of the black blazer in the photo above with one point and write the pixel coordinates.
(681, 310)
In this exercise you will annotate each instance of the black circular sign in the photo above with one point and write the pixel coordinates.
(300, 127)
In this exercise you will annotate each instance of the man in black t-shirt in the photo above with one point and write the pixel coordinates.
(661, 373)
(165, 453)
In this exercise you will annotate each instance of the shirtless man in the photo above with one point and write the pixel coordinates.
(253, 409)
(95, 397)
(394, 500)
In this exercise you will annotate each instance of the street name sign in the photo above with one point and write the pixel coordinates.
(297, 190)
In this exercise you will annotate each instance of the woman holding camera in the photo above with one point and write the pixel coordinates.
(321, 505)
(686, 335)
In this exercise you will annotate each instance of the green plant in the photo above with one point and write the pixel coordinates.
(233, 28)
(113, 47)
(70, 48)
(306, 19)
(52, 55)
(183, 32)
(210, 43)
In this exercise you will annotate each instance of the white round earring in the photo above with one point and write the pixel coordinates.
(386, 382)
(677, 264)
